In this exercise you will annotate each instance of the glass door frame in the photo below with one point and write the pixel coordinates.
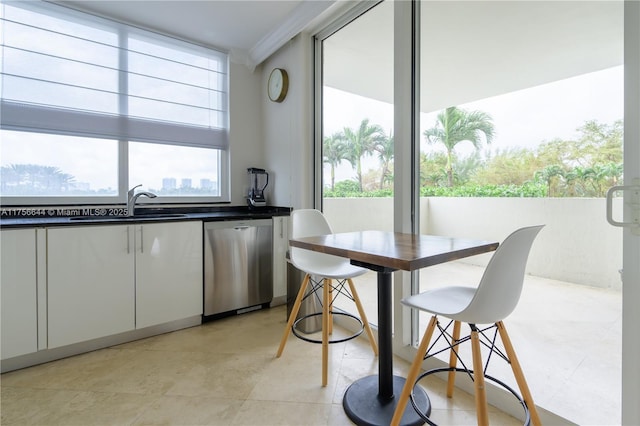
(631, 241)
(406, 203)
(347, 17)
(406, 152)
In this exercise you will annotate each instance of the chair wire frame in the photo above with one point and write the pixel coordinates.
(450, 344)
(335, 291)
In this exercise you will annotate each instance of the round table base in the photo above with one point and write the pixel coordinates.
(364, 407)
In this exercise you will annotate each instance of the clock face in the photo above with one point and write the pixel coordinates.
(278, 85)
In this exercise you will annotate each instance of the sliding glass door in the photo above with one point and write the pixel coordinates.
(538, 89)
(521, 124)
(631, 234)
(357, 149)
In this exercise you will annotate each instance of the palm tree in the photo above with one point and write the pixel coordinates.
(334, 150)
(615, 172)
(604, 176)
(385, 155)
(35, 179)
(455, 125)
(361, 142)
(432, 169)
(24, 174)
(547, 174)
(54, 180)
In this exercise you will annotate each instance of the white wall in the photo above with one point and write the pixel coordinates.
(359, 214)
(288, 127)
(245, 127)
(577, 244)
(275, 136)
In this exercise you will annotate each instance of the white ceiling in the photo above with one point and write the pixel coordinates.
(472, 50)
(250, 29)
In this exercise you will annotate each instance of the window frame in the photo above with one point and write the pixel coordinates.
(123, 166)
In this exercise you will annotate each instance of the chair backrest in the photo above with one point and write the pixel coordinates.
(500, 288)
(310, 223)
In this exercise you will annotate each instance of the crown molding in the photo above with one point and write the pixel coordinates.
(299, 19)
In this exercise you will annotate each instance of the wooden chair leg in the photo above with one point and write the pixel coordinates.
(453, 359)
(518, 374)
(363, 317)
(414, 370)
(294, 314)
(478, 380)
(325, 330)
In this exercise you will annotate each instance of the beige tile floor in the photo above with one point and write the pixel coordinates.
(221, 373)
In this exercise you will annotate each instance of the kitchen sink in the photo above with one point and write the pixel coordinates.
(157, 216)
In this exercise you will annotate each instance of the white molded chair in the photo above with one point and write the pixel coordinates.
(493, 300)
(310, 223)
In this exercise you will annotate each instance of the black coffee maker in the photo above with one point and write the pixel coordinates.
(258, 181)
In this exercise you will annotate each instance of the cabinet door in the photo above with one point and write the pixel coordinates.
(168, 272)
(90, 274)
(280, 247)
(18, 292)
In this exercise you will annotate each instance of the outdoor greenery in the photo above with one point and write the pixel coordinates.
(34, 179)
(583, 167)
(354, 144)
(455, 125)
(39, 180)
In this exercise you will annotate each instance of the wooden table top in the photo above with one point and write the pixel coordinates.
(394, 250)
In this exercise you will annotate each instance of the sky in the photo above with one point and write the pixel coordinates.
(525, 118)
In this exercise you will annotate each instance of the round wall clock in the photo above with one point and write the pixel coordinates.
(278, 85)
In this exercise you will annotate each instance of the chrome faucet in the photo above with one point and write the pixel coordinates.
(132, 197)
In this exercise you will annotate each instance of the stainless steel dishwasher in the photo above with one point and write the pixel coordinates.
(238, 266)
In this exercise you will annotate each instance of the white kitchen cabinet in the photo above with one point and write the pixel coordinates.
(168, 272)
(104, 280)
(90, 280)
(18, 292)
(280, 247)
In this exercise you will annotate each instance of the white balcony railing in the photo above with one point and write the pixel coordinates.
(577, 244)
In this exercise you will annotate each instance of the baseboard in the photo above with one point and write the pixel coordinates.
(48, 355)
(279, 300)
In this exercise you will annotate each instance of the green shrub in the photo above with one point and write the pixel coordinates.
(528, 189)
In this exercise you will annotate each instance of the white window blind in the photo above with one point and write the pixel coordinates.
(66, 72)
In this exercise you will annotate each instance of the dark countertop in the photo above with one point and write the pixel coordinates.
(25, 217)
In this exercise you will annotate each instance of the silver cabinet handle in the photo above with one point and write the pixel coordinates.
(128, 240)
(141, 239)
(241, 228)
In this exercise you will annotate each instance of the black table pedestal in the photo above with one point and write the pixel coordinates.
(372, 400)
(364, 406)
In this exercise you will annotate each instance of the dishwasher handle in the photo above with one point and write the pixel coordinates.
(241, 227)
